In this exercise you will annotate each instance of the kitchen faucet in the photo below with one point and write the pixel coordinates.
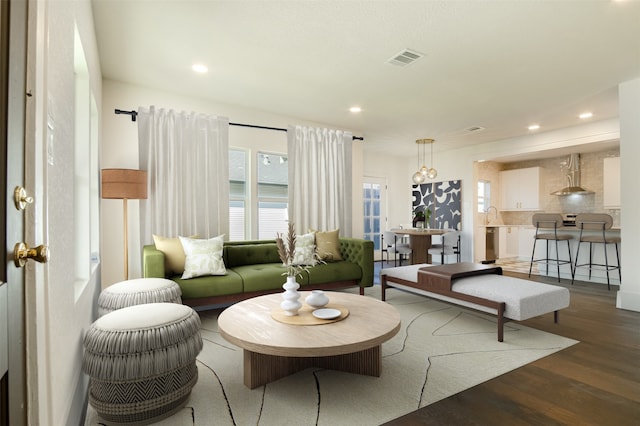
(486, 214)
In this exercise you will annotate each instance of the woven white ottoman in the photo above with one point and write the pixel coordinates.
(136, 292)
(141, 361)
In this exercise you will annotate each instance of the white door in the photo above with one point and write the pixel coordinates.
(375, 211)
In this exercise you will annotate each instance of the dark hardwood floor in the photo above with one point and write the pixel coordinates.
(595, 382)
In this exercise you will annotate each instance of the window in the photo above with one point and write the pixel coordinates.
(84, 174)
(273, 195)
(484, 195)
(268, 208)
(238, 194)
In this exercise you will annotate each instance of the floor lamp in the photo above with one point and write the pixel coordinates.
(124, 184)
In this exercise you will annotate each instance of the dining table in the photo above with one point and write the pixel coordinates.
(420, 242)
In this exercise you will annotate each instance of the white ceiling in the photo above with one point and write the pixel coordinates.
(500, 65)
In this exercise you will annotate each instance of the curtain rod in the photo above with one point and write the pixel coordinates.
(134, 115)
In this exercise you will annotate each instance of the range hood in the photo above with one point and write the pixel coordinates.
(573, 178)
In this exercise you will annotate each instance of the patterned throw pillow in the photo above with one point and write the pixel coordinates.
(203, 257)
(304, 251)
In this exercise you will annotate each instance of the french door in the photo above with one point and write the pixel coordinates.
(375, 211)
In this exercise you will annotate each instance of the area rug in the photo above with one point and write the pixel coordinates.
(440, 350)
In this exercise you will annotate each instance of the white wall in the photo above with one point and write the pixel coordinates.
(629, 293)
(119, 148)
(60, 308)
(386, 167)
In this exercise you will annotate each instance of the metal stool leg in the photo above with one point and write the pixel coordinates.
(619, 268)
(590, 258)
(575, 264)
(532, 256)
(606, 264)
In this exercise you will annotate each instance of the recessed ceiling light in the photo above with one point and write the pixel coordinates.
(199, 68)
(355, 109)
(534, 127)
(586, 115)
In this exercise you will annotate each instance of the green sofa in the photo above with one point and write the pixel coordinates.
(254, 268)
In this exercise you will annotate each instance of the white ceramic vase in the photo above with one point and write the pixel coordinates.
(290, 303)
(317, 299)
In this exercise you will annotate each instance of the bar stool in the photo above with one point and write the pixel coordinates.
(544, 222)
(599, 223)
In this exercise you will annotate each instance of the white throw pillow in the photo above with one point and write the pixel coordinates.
(305, 249)
(203, 257)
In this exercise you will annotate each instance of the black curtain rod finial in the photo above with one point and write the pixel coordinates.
(133, 114)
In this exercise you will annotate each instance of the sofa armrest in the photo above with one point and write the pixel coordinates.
(152, 262)
(360, 252)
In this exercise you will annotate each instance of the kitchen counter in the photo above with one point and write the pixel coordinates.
(516, 243)
(563, 228)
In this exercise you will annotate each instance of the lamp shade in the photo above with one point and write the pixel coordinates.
(124, 184)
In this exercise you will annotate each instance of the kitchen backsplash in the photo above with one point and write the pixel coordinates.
(553, 178)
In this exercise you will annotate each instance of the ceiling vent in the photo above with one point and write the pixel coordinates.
(405, 57)
(473, 129)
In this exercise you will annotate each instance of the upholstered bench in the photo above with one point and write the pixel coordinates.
(481, 288)
(141, 361)
(136, 292)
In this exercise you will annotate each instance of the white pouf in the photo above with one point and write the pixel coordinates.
(136, 292)
(141, 361)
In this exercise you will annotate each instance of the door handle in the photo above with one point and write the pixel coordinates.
(22, 252)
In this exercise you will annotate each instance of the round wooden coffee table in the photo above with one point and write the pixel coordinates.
(273, 349)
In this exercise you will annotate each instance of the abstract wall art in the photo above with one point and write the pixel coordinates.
(444, 201)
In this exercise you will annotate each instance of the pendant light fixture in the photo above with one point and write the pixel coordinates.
(424, 172)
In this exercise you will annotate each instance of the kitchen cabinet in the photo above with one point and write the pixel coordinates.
(520, 189)
(525, 242)
(611, 184)
(508, 246)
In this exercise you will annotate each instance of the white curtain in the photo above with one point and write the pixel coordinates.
(320, 179)
(186, 155)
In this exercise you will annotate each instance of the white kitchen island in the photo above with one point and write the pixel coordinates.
(516, 244)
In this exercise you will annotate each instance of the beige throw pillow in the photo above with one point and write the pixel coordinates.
(328, 245)
(173, 254)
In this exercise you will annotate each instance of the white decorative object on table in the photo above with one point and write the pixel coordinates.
(326, 313)
(293, 260)
(291, 305)
(317, 299)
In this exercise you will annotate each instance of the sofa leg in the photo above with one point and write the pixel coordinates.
(555, 316)
(383, 287)
(361, 291)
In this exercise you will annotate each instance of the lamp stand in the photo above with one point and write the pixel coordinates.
(126, 240)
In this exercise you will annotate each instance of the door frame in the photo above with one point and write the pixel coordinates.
(15, 98)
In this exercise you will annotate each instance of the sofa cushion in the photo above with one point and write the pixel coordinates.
(209, 286)
(251, 254)
(203, 257)
(328, 245)
(334, 271)
(265, 276)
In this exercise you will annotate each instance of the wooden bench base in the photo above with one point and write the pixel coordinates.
(437, 282)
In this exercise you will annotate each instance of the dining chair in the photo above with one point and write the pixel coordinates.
(449, 245)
